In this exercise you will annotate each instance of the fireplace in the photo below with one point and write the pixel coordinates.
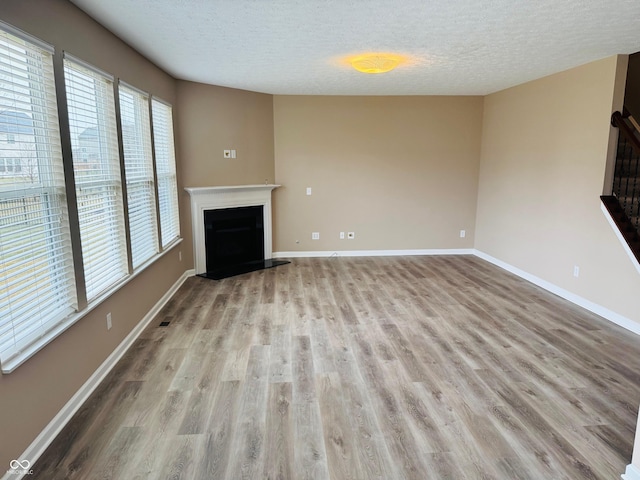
(233, 236)
(231, 229)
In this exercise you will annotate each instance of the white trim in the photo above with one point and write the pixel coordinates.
(78, 61)
(29, 351)
(48, 434)
(146, 95)
(16, 32)
(374, 253)
(610, 315)
(55, 426)
(160, 100)
(212, 198)
(632, 473)
(622, 240)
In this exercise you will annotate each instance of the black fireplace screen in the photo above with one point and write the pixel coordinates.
(233, 236)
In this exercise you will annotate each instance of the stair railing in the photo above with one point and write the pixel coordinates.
(626, 178)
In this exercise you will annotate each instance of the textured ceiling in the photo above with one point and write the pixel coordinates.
(459, 47)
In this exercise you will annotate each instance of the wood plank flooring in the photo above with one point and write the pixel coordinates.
(362, 368)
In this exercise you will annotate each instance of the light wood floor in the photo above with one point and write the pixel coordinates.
(362, 368)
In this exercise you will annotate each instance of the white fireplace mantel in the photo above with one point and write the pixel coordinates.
(212, 198)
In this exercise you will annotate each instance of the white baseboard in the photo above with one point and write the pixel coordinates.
(620, 238)
(632, 473)
(610, 315)
(44, 439)
(373, 253)
(55, 426)
(567, 295)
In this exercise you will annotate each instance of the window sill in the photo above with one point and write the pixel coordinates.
(26, 353)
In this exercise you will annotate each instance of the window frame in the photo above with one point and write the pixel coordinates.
(172, 175)
(30, 331)
(111, 254)
(134, 181)
(82, 305)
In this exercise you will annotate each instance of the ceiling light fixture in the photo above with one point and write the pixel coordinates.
(376, 62)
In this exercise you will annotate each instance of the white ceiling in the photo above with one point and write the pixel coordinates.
(460, 47)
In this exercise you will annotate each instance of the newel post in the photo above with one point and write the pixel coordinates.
(633, 470)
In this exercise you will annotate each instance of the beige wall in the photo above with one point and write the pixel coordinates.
(35, 392)
(400, 172)
(211, 119)
(544, 153)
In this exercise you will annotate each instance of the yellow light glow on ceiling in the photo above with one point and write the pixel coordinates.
(376, 62)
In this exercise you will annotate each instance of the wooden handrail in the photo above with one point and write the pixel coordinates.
(617, 120)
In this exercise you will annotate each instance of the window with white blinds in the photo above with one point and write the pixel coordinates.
(138, 163)
(39, 297)
(165, 171)
(37, 288)
(96, 166)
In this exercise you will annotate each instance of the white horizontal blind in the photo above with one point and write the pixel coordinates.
(138, 164)
(96, 165)
(37, 289)
(166, 171)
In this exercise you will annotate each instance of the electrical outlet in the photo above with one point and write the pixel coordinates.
(576, 271)
(109, 325)
(351, 235)
(463, 233)
(226, 153)
(315, 236)
(308, 190)
(341, 235)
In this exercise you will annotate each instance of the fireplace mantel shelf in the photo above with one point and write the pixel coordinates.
(211, 198)
(229, 188)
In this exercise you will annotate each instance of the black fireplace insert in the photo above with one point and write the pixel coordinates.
(234, 241)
